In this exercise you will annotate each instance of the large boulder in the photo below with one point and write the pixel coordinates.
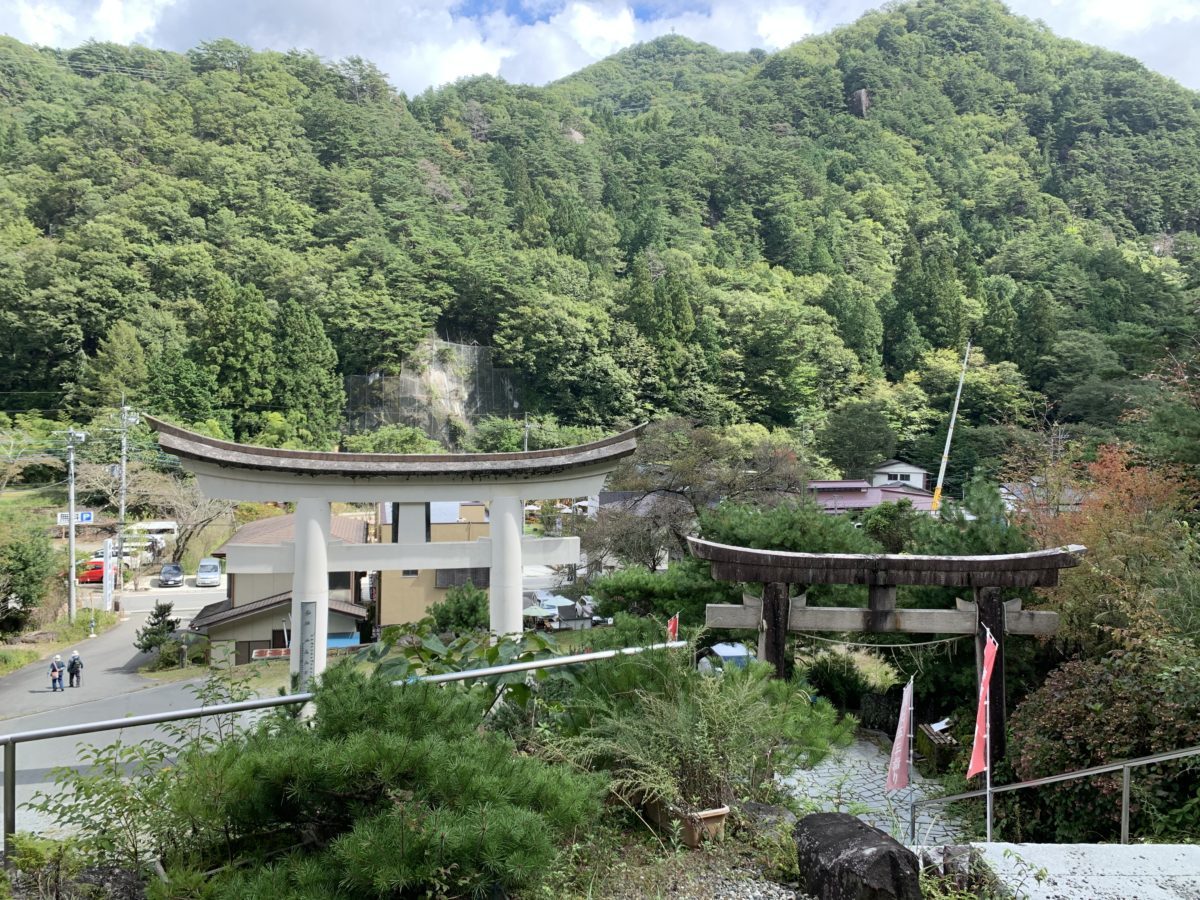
(843, 858)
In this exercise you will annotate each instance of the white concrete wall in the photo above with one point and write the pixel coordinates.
(916, 476)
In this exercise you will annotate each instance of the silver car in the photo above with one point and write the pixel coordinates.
(208, 573)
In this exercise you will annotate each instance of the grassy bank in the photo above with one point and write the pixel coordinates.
(21, 501)
(269, 675)
(12, 659)
(65, 634)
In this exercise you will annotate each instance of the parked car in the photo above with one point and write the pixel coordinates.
(171, 575)
(208, 573)
(133, 558)
(164, 529)
(91, 571)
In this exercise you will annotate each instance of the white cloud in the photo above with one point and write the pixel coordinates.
(428, 42)
(598, 31)
(783, 25)
(125, 21)
(40, 23)
(62, 24)
(459, 53)
(1116, 15)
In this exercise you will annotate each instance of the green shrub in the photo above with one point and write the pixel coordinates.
(1093, 712)
(844, 677)
(117, 797)
(691, 741)
(407, 768)
(183, 883)
(174, 653)
(27, 564)
(51, 865)
(834, 677)
(114, 799)
(464, 609)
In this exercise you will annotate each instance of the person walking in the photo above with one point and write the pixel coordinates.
(75, 669)
(56, 674)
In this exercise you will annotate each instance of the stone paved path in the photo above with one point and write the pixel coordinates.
(852, 781)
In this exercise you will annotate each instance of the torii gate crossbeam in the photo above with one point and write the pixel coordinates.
(313, 480)
(777, 612)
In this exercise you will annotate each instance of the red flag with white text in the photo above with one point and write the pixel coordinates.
(897, 776)
(673, 628)
(979, 760)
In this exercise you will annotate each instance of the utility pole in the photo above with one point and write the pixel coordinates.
(73, 436)
(127, 419)
(525, 446)
(937, 491)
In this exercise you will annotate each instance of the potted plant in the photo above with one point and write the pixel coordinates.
(682, 745)
(665, 756)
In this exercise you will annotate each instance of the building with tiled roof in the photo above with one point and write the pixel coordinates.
(256, 611)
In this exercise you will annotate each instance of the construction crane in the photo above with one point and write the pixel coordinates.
(937, 491)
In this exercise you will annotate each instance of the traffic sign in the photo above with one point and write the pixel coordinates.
(82, 517)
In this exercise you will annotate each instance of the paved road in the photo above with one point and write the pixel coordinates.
(110, 661)
(111, 689)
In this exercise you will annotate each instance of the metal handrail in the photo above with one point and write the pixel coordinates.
(10, 741)
(1124, 767)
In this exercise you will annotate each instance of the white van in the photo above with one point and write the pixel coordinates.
(208, 573)
(163, 528)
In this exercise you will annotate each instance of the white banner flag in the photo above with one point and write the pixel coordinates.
(110, 574)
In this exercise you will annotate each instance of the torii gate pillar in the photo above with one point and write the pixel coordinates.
(310, 589)
(507, 516)
(312, 479)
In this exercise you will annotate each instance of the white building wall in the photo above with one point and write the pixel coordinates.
(900, 474)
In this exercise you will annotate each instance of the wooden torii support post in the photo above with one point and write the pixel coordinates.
(778, 612)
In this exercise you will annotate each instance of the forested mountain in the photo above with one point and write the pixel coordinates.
(675, 229)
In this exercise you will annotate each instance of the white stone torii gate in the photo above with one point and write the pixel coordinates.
(312, 480)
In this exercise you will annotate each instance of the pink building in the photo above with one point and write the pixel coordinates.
(852, 496)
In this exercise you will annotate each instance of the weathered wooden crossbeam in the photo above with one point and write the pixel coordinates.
(1037, 569)
(776, 613)
(909, 621)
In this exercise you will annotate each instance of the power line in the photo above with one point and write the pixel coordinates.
(31, 488)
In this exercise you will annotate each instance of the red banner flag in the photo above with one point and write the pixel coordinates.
(673, 628)
(897, 776)
(979, 760)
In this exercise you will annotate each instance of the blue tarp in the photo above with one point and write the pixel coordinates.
(733, 654)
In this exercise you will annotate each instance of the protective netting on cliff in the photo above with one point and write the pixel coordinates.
(443, 385)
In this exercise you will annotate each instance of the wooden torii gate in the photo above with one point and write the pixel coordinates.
(777, 612)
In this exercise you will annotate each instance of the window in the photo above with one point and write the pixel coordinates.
(410, 573)
(892, 476)
(447, 578)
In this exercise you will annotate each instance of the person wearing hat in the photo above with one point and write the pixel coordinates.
(75, 669)
(56, 673)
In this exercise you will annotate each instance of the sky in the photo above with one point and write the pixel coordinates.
(424, 43)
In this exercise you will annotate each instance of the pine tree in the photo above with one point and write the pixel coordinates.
(117, 373)
(308, 387)
(158, 627)
(644, 305)
(858, 318)
(179, 387)
(237, 344)
(943, 315)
